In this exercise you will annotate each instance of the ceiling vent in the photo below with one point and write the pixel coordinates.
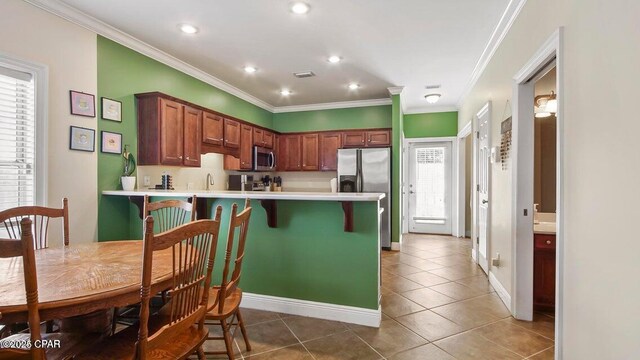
(431, 87)
(304, 74)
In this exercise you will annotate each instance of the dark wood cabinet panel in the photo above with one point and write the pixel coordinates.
(329, 145)
(281, 152)
(171, 132)
(212, 129)
(191, 139)
(378, 138)
(231, 134)
(246, 145)
(293, 153)
(268, 139)
(544, 272)
(257, 137)
(310, 152)
(351, 139)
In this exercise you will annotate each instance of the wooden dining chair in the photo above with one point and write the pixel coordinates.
(69, 343)
(224, 300)
(168, 214)
(40, 216)
(178, 331)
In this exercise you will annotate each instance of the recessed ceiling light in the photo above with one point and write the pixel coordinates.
(285, 92)
(432, 98)
(354, 86)
(300, 8)
(188, 29)
(250, 69)
(334, 59)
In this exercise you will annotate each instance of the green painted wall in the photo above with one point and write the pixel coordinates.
(334, 119)
(122, 73)
(431, 125)
(396, 167)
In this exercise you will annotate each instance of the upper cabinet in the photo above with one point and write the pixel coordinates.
(263, 138)
(246, 145)
(290, 155)
(231, 134)
(328, 150)
(366, 138)
(212, 129)
(310, 152)
(169, 133)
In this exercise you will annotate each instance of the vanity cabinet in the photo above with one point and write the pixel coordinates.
(544, 272)
(169, 132)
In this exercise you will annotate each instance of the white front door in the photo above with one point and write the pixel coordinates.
(430, 188)
(483, 185)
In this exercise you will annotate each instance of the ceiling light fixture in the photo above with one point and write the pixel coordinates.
(300, 8)
(545, 105)
(188, 29)
(285, 92)
(250, 69)
(432, 98)
(354, 86)
(334, 59)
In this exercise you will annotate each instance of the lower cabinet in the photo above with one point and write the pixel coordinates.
(544, 272)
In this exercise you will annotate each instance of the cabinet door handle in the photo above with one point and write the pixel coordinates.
(548, 242)
(187, 158)
(180, 157)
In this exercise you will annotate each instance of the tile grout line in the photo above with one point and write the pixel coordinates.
(540, 352)
(299, 341)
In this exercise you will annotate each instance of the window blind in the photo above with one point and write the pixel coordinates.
(17, 138)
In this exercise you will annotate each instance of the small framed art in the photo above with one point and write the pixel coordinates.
(111, 142)
(82, 139)
(111, 109)
(82, 104)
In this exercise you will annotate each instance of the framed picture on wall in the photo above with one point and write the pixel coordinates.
(82, 104)
(111, 109)
(82, 139)
(111, 142)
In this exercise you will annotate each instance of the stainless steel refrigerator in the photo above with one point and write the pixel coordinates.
(368, 170)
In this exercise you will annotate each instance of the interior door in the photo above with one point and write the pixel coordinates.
(483, 187)
(430, 188)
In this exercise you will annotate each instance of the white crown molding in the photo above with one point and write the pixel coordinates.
(88, 22)
(431, 109)
(396, 90)
(506, 21)
(333, 105)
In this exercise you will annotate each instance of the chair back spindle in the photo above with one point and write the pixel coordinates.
(168, 214)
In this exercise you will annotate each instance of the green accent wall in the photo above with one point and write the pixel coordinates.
(396, 167)
(333, 119)
(431, 125)
(122, 73)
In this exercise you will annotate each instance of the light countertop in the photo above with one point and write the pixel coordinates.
(547, 228)
(259, 195)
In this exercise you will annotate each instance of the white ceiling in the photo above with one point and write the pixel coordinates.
(410, 43)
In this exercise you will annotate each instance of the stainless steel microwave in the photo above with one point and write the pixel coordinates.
(263, 159)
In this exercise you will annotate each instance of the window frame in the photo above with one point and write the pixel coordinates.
(40, 73)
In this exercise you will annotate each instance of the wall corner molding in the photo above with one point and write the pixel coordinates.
(504, 25)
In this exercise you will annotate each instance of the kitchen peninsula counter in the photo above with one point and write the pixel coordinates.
(308, 253)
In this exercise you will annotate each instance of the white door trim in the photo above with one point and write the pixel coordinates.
(475, 226)
(522, 191)
(460, 175)
(405, 173)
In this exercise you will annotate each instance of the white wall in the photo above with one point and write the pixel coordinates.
(70, 53)
(601, 287)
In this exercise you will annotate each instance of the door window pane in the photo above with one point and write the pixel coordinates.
(430, 185)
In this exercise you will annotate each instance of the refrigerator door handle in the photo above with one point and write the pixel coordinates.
(359, 179)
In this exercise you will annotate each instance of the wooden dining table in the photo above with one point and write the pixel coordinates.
(81, 279)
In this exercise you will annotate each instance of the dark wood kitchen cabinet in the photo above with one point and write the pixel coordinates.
(378, 138)
(290, 153)
(191, 136)
(310, 156)
(366, 138)
(544, 272)
(246, 146)
(263, 138)
(354, 139)
(231, 134)
(329, 145)
(169, 133)
(212, 129)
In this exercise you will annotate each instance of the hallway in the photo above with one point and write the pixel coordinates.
(436, 305)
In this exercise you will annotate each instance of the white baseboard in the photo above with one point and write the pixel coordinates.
(348, 314)
(474, 255)
(502, 292)
(395, 246)
(467, 233)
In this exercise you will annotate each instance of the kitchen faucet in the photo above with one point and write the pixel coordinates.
(209, 180)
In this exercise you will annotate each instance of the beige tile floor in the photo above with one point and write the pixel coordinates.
(436, 304)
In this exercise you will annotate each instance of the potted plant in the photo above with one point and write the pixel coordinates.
(128, 181)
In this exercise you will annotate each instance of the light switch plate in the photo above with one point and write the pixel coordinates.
(147, 181)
